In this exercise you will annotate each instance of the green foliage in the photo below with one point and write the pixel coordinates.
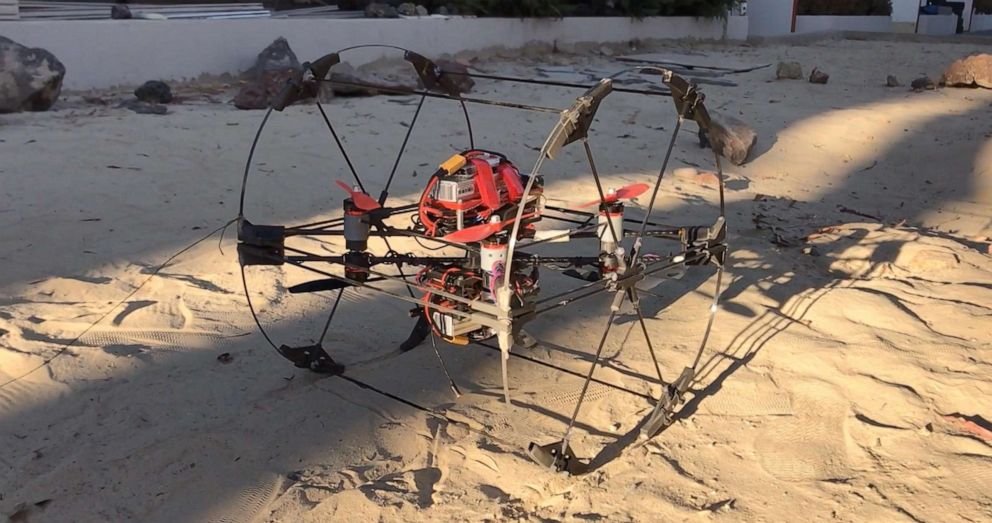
(845, 7)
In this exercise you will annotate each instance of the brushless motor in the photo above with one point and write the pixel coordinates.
(356, 227)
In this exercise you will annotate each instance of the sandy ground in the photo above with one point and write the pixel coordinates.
(847, 377)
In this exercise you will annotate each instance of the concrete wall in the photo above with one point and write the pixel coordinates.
(904, 11)
(981, 23)
(769, 17)
(110, 52)
(815, 24)
(937, 25)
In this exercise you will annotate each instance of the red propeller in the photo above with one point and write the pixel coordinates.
(360, 199)
(477, 233)
(624, 193)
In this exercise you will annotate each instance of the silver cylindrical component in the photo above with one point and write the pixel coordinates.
(356, 228)
(608, 218)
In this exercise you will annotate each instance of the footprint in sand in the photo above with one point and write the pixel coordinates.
(811, 445)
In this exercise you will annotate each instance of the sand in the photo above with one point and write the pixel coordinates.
(847, 377)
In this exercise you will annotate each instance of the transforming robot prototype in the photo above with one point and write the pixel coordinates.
(483, 205)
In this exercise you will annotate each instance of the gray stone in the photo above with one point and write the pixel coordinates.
(258, 94)
(377, 10)
(789, 71)
(154, 91)
(973, 71)
(141, 107)
(731, 138)
(892, 81)
(407, 9)
(345, 73)
(30, 78)
(456, 71)
(278, 56)
(120, 12)
(818, 77)
(921, 83)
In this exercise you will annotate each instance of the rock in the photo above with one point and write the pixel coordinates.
(154, 91)
(120, 12)
(258, 94)
(30, 78)
(921, 83)
(346, 73)
(377, 10)
(252, 96)
(789, 71)
(892, 81)
(973, 71)
(407, 9)
(731, 138)
(278, 56)
(818, 77)
(422, 11)
(462, 82)
(141, 107)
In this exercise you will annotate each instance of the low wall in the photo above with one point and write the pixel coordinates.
(981, 23)
(937, 25)
(769, 17)
(104, 53)
(817, 24)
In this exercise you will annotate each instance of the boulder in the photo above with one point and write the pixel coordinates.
(346, 73)
(278, 56)
(258, 94)
(973, 71)
(407, 9)
(789, 71)
(154, 91)
(377, 10)
(462, 82)
(422, 11)
(30, 78)
(818, 77)
(731, 138)
(120, 12)
(142, 107)
(921, 83)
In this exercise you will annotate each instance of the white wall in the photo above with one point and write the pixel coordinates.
(938, 24)
(981, 23)
(103, 53)
(769, 17)
(905, 10)
(815, 24)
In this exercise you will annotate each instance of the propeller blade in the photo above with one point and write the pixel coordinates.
(360, 199)
(631, 191)
(624, 193)
(328, 284)
(476, 233)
